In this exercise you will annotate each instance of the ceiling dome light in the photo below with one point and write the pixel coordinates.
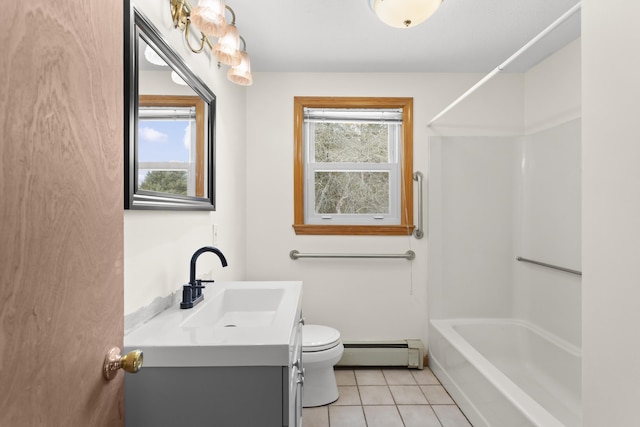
(208, 17)
(404, 13)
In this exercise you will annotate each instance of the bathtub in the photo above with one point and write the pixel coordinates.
(507, 372)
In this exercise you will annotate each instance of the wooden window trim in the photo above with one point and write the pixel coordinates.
(185, 101)
(406, 182)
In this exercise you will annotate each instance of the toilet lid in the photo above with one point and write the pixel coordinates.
(318, 338)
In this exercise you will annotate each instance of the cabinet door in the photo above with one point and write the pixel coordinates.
(244, 396)
(295, 380)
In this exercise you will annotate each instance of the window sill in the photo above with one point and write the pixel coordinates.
(353, 230)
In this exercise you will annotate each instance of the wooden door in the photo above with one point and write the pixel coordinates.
(61, 212)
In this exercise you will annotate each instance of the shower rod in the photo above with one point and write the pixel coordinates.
(544, 264)
(502, 66)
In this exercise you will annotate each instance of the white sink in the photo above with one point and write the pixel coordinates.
(239, 308)
(237, 324)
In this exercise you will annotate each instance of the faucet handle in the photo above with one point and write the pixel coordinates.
(198, 284)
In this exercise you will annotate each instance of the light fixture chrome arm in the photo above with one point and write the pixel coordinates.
(179, 13)
(233, 14)
(203, 41)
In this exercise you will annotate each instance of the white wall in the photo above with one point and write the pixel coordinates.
(364, 299)
(553, 90)
(611, 212)
(159, 244)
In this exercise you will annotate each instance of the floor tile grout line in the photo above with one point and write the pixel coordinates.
(436, 414)
(395, 404)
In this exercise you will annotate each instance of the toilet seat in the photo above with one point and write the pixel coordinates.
(319, 338)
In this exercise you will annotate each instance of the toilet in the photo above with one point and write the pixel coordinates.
(321, 350)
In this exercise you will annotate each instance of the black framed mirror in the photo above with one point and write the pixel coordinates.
(169, 149)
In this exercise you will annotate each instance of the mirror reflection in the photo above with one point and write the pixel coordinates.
(170, 164)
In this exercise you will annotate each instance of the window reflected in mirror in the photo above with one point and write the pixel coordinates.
(171, 149)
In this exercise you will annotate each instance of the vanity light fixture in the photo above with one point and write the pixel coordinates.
(209, 18)
(404, 13)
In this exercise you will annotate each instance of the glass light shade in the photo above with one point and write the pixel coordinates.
(227, 49)
(208, 17)
(152, 56)
(404, 13)
(241, 73)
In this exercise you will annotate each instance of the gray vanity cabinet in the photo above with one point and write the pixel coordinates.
(224, 396)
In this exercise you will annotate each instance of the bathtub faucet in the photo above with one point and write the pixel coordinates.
(192, 292)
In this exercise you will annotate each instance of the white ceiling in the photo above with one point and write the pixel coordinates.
(346, 36)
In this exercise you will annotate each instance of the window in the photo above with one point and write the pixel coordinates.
(353, 166)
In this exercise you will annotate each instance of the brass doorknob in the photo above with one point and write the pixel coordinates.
(130, 362)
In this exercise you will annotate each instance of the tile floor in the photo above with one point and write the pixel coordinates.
(388, 397)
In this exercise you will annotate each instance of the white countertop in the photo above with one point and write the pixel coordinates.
(196, 337)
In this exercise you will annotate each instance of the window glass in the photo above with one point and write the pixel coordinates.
(356, 193)
(166, 141)
(351, 142)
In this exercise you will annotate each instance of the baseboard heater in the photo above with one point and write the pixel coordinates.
(408, 353)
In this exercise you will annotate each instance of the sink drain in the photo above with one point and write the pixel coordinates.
(230, 326)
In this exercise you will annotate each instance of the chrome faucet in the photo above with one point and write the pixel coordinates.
(192, 292)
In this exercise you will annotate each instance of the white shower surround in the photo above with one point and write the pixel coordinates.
(492, 199)
(489, 201)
